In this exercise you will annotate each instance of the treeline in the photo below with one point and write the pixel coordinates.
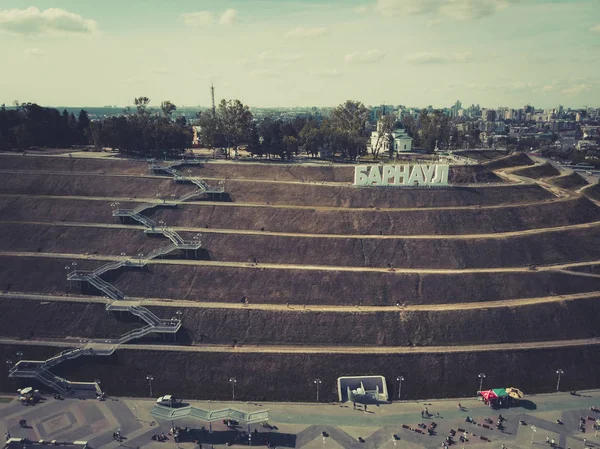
(146, 133)
(29, 125)
(232, 125)
(142, 133)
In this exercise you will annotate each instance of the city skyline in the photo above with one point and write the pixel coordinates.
(303, 53)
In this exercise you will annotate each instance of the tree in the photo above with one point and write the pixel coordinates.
(311, 138)
(385, 127)
(209, 129)
(83, 127)
(167, 108)
(141, 103)
(234, 121)
(346, 130)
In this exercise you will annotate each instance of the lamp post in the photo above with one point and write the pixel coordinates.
(9, 364)
(149, 378)
(559, 372)
(232, 381)
(67, 270)
(135, 410)
(317, 382)
(400, 379)
(481, 377)
(209, 417)
(533, 431)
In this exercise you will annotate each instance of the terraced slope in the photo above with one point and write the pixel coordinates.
(434, 284)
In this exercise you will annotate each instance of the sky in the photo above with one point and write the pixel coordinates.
(282, 53)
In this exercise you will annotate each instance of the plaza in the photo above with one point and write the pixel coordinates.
(306, 426)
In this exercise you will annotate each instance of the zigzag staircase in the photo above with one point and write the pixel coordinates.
(116, 300)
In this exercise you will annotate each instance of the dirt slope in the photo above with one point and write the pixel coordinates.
(334, 196)
(313, 220)
(538, 171)
(29, 274)
(91, 185)
(572, 181)
(512, 160)
(569, 320)
(448, 375)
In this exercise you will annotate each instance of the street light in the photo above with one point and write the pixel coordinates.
(20, 355)
(559, 372)
(400, 379)
(232, 381)
(317, 382)
(481, 377)
(533, 431)
(149, 378)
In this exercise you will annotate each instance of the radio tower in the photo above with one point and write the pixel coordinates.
(212, 94)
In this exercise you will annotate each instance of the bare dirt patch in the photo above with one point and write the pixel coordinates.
(512, 160)
(281, 286)
(572, 181)
(538, 171)
(335, 196)
(91, 185)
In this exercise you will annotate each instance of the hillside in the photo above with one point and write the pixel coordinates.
(439, 284)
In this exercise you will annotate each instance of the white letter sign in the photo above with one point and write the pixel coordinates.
(401, 175)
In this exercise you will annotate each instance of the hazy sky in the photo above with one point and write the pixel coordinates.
(301, 52)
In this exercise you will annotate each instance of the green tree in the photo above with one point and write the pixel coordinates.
(167, 108)
(346, 132)
(141, 103)
(385, 127)
(311, 138)
(234, 121)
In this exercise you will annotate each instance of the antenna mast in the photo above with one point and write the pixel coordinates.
(212, 94)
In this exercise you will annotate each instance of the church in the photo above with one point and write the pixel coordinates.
(401, 142)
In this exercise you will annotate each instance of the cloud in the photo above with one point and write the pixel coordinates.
(366, 57)
(278, 57)
(455, 9)
(228, 17)
(197, 19)
(306, 32)
(34, 52)
(264, 73)
(576, 89)
(159, 71)
(361, 9)
(438, 58)
(326, 73)
(549, 88)
(51, 21)
(595, 28)
(204, 18)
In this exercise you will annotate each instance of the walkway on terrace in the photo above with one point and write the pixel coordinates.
(328, 308)
(496, 235)
(249, 265)
(289, 349)
(283, 206)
